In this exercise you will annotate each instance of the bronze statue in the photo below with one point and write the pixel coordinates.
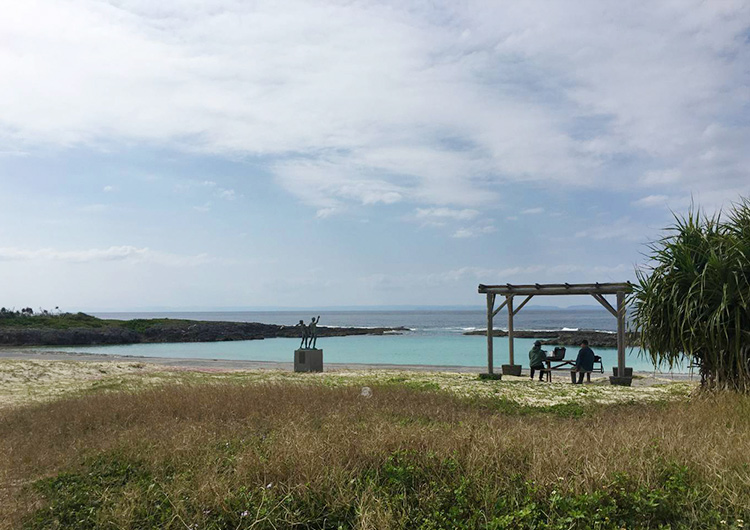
(313, 331)
(305, 335)
(309, 333)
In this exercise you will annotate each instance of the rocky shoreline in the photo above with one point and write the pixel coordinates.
(597, 339)
(83, 330)
(175, 331)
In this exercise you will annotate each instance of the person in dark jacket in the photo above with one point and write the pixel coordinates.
(585, 362)
(537, 356)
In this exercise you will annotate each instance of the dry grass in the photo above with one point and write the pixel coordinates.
(275, 455)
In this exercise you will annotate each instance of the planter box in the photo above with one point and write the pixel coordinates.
(628, 372)
(512, 369)
(621, 381)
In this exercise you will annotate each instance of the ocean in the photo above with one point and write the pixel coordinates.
(435, 337)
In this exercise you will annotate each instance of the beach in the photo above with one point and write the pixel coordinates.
(42, 375)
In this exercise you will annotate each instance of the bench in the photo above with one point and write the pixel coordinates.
(569, 366)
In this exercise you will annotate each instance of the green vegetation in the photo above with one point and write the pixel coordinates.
(26, 318)
(216, 451)
(694, 301)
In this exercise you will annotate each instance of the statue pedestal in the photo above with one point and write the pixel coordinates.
(308, 360)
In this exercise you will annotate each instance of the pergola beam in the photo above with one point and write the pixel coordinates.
(552, 289)
(599, 298)
(523, 304)
(496, 311)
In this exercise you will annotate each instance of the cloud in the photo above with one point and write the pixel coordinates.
(366, 103)
(651, 200)
(661, 177)
(532, 211)
(446, 213)
(475, 231)
(470, 275)
(218, 191)
(329, 186)
(324, 213)
(623, 229)
(464, 233)
(95, 208)
(115, 253)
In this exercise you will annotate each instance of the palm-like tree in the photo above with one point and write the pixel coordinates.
(693, 301)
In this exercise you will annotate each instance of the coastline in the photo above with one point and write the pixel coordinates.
(564, 337)
(102, 332)
(642, 378)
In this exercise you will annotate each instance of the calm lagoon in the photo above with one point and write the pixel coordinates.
(408, 349)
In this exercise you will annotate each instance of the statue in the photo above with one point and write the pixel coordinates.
(313, 331)
(305, 335)
(307, 358)
(309, 334)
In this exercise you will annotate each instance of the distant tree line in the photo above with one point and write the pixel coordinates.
(29, 312)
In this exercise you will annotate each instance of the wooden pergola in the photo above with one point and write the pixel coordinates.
(597, 290)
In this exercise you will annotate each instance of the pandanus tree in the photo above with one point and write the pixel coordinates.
(692, 302)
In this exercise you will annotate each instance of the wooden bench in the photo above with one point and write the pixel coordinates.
(569, 366)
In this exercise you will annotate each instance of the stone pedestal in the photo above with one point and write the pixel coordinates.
(308, 360)
(512, 369)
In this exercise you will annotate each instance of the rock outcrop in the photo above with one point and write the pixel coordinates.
(177, 331)
(597, 339)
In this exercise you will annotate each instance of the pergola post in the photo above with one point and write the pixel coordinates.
(510, 330)
(512, 368)
(622, 376)
(490, 308)
(490, 334)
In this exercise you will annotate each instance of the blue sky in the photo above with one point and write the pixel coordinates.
(209, 154)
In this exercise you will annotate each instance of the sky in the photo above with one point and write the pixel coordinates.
(228, 154)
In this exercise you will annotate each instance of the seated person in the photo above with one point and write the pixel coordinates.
(537, 356)
(584, 362)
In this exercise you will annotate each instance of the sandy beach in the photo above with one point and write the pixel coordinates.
(30, 376)
(643, 378)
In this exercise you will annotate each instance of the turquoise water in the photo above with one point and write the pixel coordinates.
(411, 348)
(436, 337)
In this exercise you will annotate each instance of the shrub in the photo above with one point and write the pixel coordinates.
(694, 300)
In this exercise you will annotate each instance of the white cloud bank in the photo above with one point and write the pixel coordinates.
(438, 104)
(115, 253)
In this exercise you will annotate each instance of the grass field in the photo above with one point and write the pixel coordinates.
(128, 445)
